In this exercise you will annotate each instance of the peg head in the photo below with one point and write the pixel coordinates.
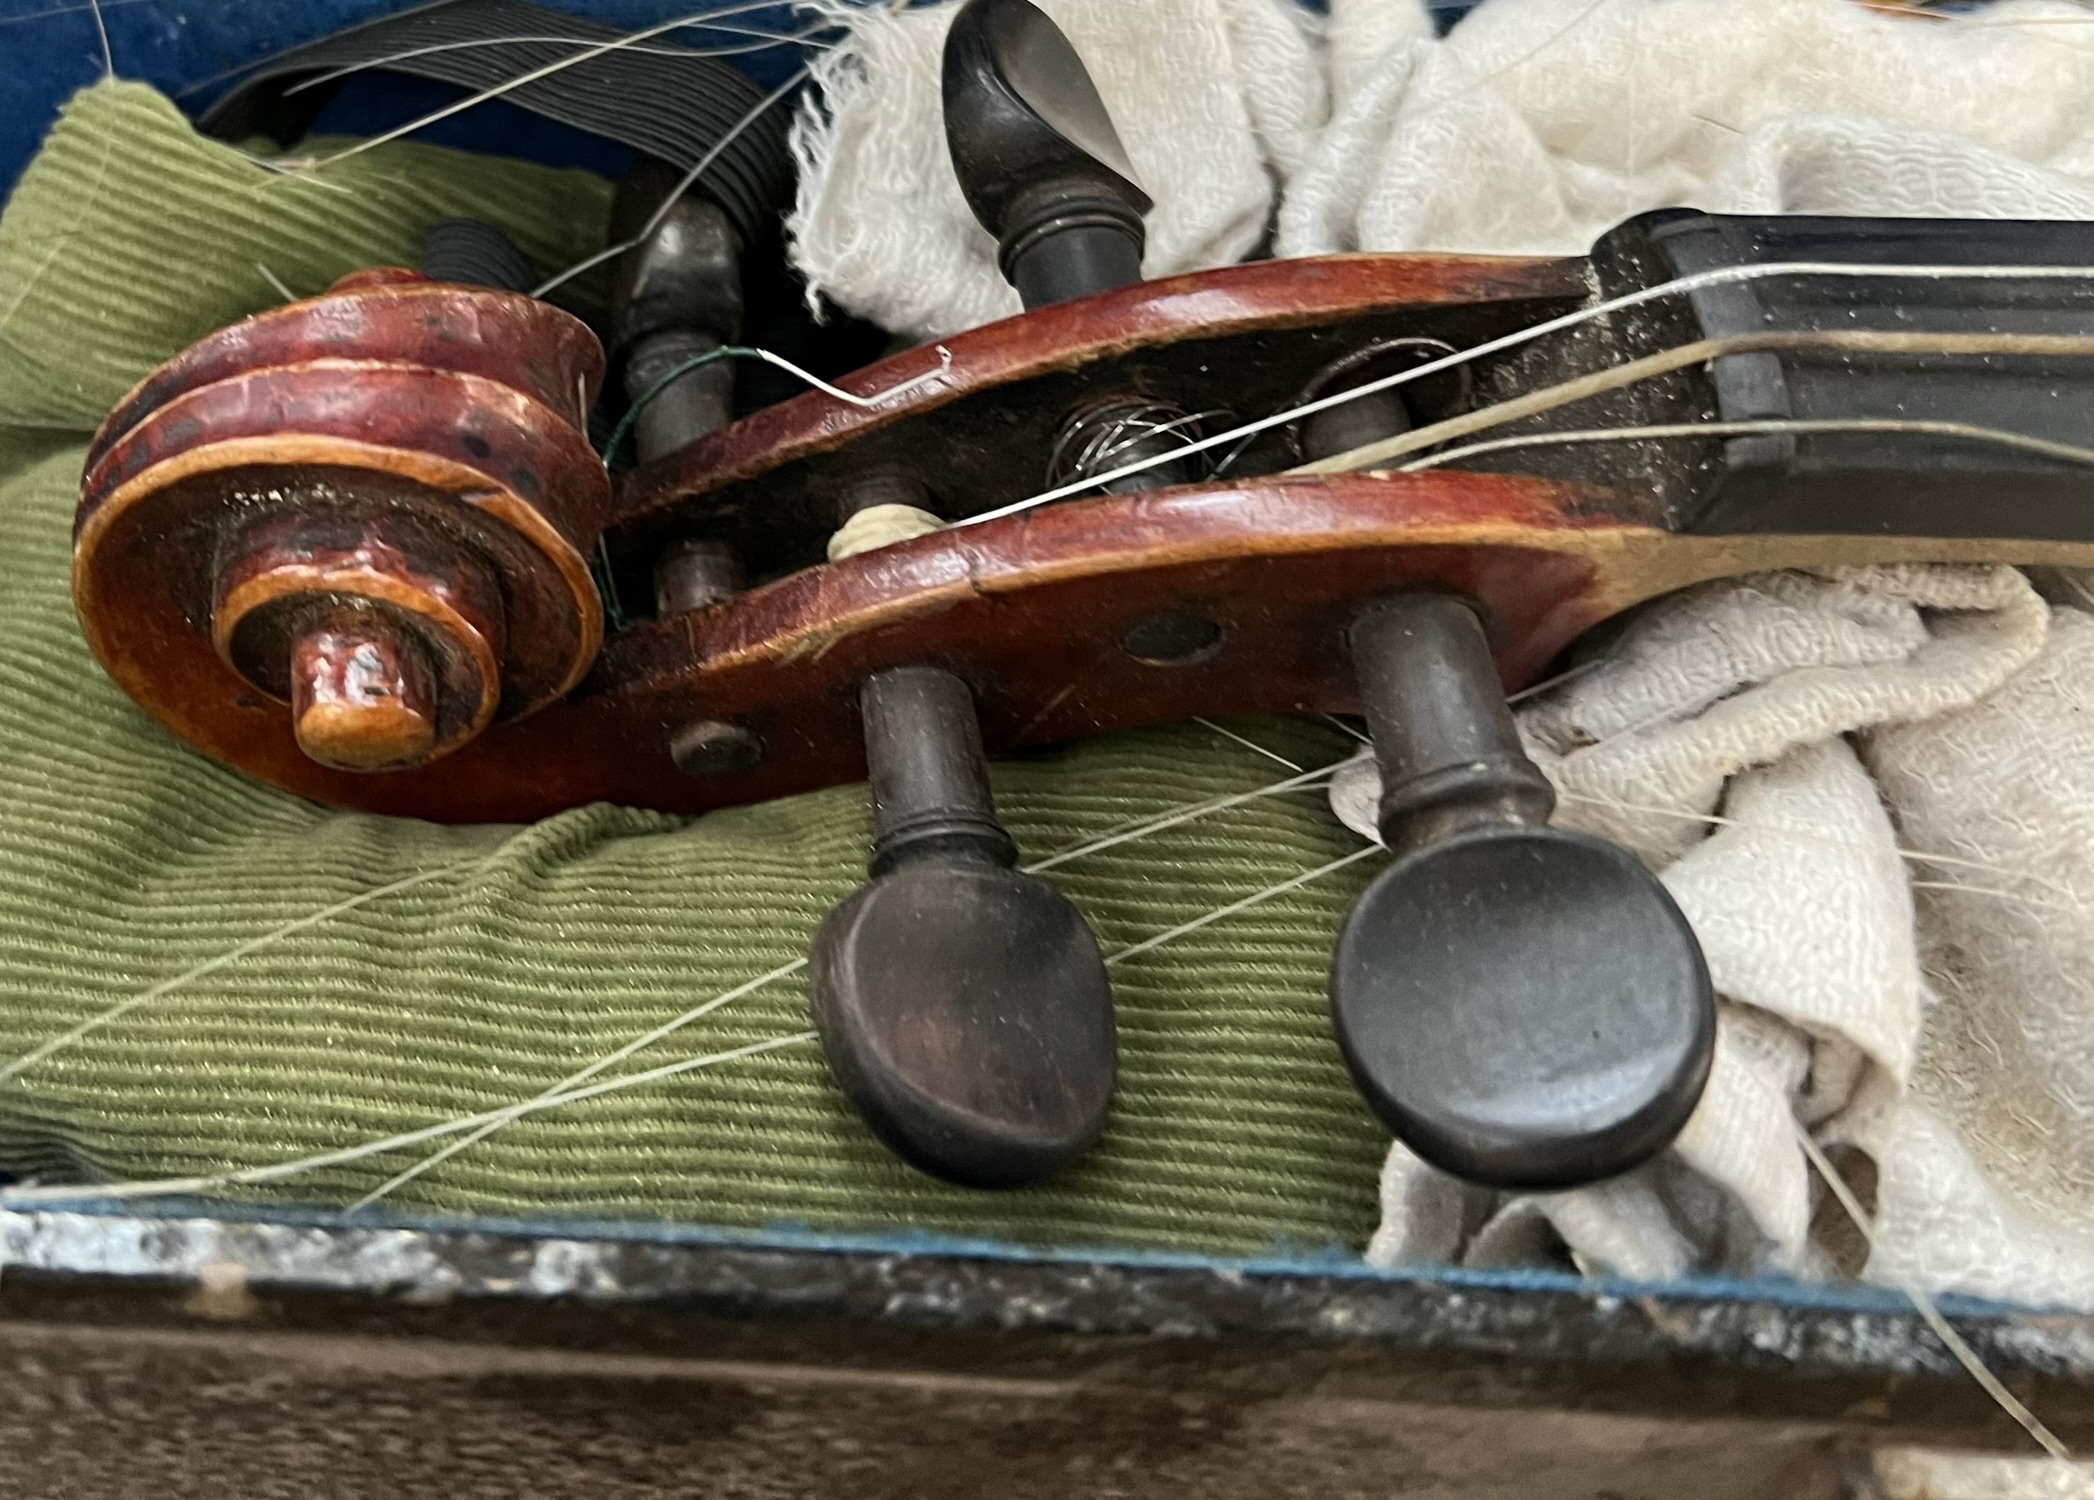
(1525, 1007)
(966, 1012)
(1037, 155)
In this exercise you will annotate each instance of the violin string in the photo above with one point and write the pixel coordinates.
(706, 23)
(1914, 426)
(683, 183)
(1965, 1355)
(1680, 356)
(278, 1171)
(231, 955)
(493, 91)
(1247, 743)
(770, 39)
(276, 282)
(102, 31)
(1153, 825)
(162, 1187)
(1578, 317)
(1331, 867)
(1928, 1310)
(1295, 783)
(2010, 898)
(574, 1080)
(56, 11)
(1717, 820)
(1569, 674)
(1504, 70)
(777, 361)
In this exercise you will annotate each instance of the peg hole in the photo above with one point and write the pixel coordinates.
(1172, 639)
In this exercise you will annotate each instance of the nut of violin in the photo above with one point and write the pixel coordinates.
(361, 695)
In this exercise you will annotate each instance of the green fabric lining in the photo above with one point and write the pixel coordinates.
(126, 858)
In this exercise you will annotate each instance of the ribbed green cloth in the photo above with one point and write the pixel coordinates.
(126, 859)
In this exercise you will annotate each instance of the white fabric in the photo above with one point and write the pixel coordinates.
(1362, 32)
(1532, 128)
(1989, 1187)
(1537, 124)
(1708, 739)
(1213, 99)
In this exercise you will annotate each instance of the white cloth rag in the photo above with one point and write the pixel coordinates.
(1537, 124)
(1533, 127)
(1216, 102)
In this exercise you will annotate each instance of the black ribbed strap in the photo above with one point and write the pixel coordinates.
(473, 252)
(672, 107)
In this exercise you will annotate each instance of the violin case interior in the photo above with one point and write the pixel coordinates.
(718, 1285)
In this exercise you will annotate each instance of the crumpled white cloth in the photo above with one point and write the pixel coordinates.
(1537, 124)
(1712, 738)
(1532, 128)
(1216, 102)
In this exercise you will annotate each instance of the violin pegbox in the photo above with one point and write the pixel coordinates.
(353, 529)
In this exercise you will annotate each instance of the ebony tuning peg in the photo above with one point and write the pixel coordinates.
(677, 295)
(1037, 156)
(1523, 1006)
(963, 1004)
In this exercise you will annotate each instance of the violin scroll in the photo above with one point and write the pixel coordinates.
(379, 499)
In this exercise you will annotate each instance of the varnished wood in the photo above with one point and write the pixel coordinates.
(406, 445)
(1051, 616)
(1031, 610)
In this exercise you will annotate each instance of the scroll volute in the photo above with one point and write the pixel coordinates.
(358, 522)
